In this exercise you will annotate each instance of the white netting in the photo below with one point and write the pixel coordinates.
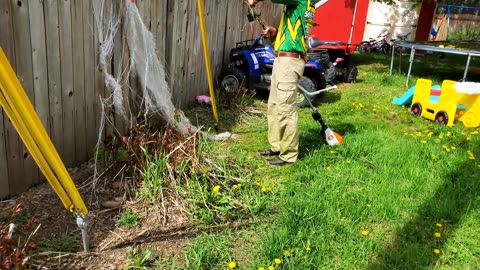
(144, 64)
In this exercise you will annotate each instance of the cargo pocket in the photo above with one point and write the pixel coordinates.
(287, 93)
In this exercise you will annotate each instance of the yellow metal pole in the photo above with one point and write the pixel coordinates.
(35, 152)
(15, 94)
(207, 58)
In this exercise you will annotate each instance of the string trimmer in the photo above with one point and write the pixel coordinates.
(331, 137)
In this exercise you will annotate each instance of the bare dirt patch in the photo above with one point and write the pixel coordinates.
(165, 227)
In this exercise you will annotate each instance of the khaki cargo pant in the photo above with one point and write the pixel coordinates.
(282, 107)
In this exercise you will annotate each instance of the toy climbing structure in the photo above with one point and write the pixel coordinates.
(457, 101)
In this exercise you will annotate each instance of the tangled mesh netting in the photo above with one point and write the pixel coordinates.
(144, 64)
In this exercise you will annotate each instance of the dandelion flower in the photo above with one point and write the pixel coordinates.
(449, 134)
(453, 148)
(430, 134)
(468, 139)
(216, 189)
(369, 205)
(271, 268)
(277, 261)
(365, 232)
(235, 187)
(232, 265)
(436, 251)
(439, 225)
(423, 141)
(328, 168)
(264, 189)
(440, 136)
(349, 161)
(286, 253)
(474, 132)
(418, 134)
(332, 152)
(437, 235)
(308, 249)
(261, 268)
(434, 157)
(239, 185)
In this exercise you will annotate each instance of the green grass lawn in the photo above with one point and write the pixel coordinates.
(401, 193)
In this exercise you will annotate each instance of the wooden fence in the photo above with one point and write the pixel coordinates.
(53, 47)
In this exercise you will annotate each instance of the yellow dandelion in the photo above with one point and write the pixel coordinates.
(464, 134)
(332, 152)
(308, 249)
(423, 141)
(453, 148)
(277, 261)
(271, 268)
(328, 168)
(437, 235)
(261, 268)
(264, 189)
(440, 136)
(447, 149)
(239, 185)
(474, 132)
(436, 251)
(360, 105)
(269, 189)
(468, 139)
(349, 161)
(471, 157)
(418, 134)
(235, 187)
(232, 265)
(434, 157)
(216, 189)
(430, 134)
(374, 110)
(444, 146)
(365, 232)
(449, 134)
(286, 253)
(439, 225)
(369, 205)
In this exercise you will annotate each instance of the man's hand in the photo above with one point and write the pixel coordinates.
(252, 3)
(270, 31)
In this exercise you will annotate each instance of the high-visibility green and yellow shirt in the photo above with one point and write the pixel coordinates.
(294, 28)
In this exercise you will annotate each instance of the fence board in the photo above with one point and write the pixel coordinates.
(24, 62)
(66, 65)
(99, 79)
(54, 74)
(118, 66)
(89, 60)
(7, 45)
(39, 65)
(78, 80)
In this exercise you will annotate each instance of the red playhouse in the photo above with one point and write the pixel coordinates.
(340, 24)
(338, 29)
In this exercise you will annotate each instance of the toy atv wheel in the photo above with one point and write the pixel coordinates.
(318, 77)
(441, 118)
(416, 109)
(309, 86)
(232, 79)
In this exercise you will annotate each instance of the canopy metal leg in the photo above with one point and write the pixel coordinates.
(82, 224)
(412, 55)
(466, 67)
(391, 60)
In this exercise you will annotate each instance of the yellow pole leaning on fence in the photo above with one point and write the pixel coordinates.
(34, 151)
(16, 98)
(207, 58)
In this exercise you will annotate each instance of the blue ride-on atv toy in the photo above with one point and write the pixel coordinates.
(251, 64)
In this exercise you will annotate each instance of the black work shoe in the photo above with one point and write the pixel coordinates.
(268, 153)
(279, 162)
